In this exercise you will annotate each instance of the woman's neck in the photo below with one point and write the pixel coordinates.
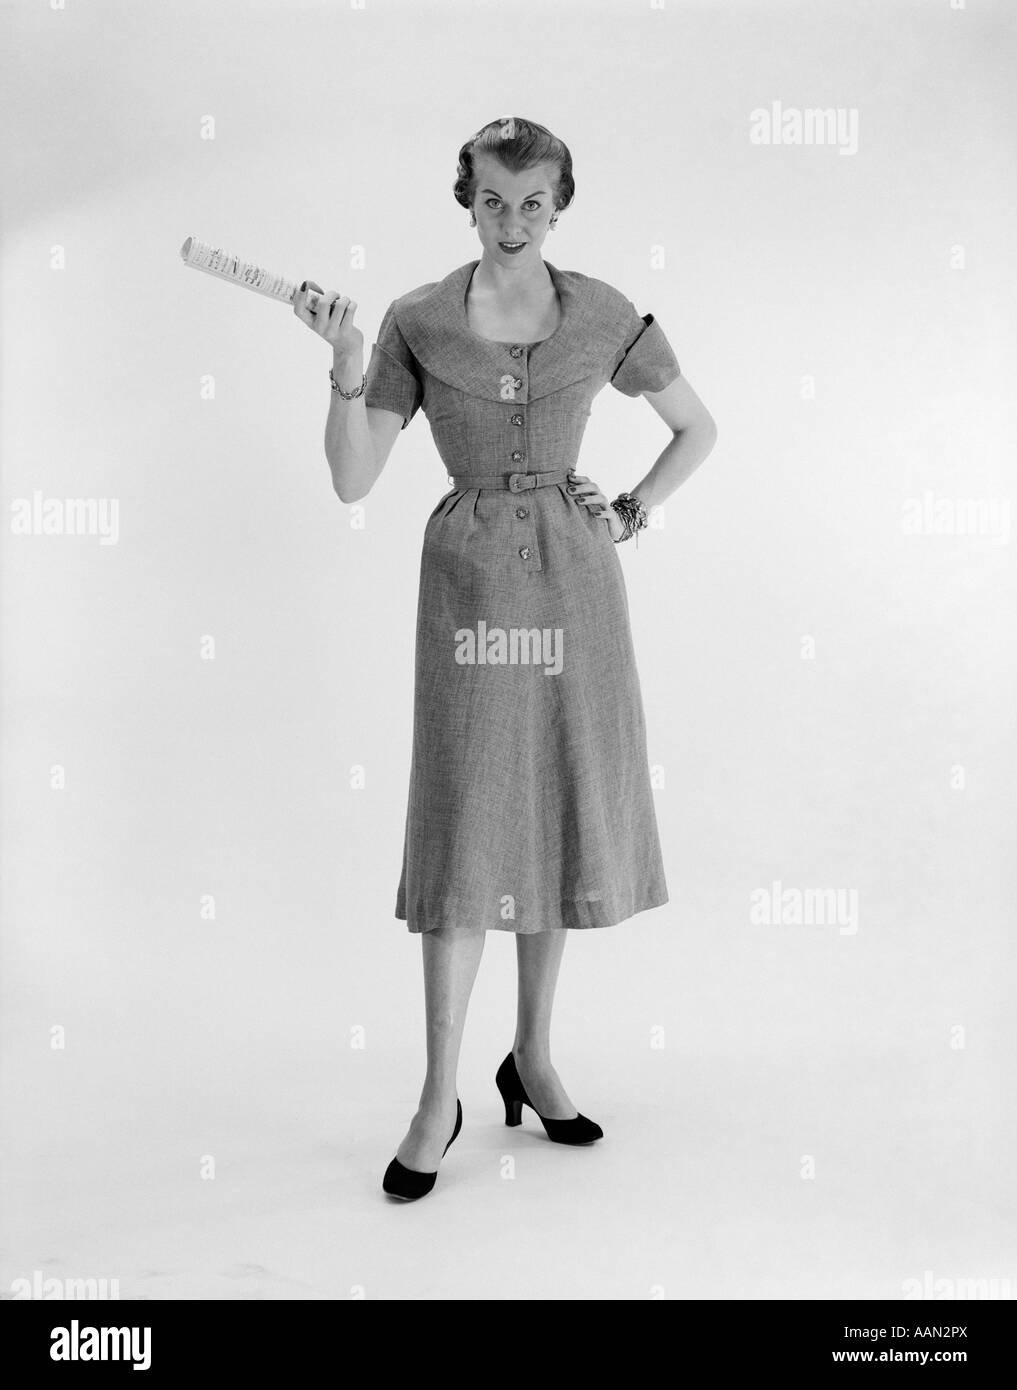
(509, 286)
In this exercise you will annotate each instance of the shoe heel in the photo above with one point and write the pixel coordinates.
(513, 1113)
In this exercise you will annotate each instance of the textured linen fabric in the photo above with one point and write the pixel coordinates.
(530, 804)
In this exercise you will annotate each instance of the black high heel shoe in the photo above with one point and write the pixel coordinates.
(579, 1130)
(407, 1183)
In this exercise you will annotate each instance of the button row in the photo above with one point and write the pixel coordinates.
(518, 419)
(517, 455)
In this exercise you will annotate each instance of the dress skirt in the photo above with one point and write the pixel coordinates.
(530, 805)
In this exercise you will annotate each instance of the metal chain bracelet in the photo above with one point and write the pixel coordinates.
(632, 513)
(348, 395)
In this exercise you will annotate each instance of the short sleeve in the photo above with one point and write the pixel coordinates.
(393, 373)
(647, 361)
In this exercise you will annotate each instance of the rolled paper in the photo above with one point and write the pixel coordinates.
(213, 260)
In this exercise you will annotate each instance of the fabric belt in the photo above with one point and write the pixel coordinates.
(515, 482)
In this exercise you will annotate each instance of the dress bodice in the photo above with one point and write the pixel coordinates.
(512, 407)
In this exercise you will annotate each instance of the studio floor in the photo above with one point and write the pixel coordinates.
(719, 1176)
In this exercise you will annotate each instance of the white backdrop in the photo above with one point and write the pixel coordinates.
(203, 1108)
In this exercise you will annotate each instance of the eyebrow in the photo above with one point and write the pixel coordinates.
(498, 195)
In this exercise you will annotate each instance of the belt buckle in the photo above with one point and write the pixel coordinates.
(518, 482)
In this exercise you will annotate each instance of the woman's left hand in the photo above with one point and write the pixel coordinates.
(587, 494)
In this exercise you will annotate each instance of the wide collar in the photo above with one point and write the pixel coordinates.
(593, 326)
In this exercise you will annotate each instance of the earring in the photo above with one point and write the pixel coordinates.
(473, 220)
(554, 222)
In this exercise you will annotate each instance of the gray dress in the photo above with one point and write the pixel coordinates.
(530, 804)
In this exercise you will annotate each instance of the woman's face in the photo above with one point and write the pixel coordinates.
(513, 210)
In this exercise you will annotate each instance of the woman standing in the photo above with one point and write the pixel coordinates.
(530, 808)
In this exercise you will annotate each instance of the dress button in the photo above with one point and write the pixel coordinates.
(517, 455)
(521, 512)
(515, 352)
(525, 552)
(515, 419)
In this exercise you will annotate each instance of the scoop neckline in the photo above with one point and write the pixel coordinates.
(513, 342)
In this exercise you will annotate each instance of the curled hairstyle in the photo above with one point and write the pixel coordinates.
(518, 144)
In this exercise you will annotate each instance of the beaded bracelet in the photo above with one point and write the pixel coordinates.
(633, 515)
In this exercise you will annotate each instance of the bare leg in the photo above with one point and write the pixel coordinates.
(538, 957)
(451, 957)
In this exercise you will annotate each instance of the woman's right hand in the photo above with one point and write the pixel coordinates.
(331, 319)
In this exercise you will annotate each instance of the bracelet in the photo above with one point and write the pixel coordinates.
(347, 395)
(632, 513)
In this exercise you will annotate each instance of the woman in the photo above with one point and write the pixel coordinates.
(530, 808)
